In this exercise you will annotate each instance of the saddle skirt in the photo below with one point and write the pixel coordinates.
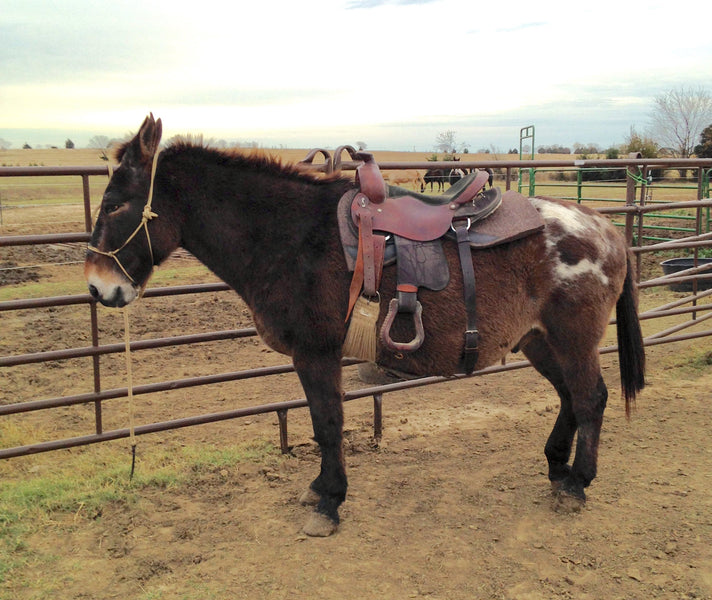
(515, 218)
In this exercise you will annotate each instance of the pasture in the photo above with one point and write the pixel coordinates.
(453, 503)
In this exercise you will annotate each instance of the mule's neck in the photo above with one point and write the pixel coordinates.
(253, 225)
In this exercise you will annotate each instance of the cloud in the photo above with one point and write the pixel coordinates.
(521, 27)
(357, 4)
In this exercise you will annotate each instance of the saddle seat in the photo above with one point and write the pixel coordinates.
(416, 216)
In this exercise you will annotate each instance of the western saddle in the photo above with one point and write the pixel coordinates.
(382, 224)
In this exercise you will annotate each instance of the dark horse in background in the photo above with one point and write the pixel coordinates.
(271, 233)
(433, 176)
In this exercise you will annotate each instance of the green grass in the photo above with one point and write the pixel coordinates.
(692, 362)
(43, 289)
(162, 277)
(37, 495)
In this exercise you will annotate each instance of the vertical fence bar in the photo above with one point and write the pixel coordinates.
(87, 203)
(283, 434)
(377, 417)
(93, 316)
(630, 219)
(96, 366)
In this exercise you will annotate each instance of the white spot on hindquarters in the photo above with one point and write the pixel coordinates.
(566, 223)
(571, 221)
(584, 267)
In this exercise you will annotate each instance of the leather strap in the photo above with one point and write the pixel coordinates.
(369, 178)
(369, 263)
(471, 349)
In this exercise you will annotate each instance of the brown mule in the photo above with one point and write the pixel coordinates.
(271, 233)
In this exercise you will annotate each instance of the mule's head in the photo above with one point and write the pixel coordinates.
(127, 241)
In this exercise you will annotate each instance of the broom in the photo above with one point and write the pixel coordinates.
(360, 339)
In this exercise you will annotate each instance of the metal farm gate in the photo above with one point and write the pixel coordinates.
(631, 206)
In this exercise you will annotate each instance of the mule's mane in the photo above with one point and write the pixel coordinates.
(253, 160)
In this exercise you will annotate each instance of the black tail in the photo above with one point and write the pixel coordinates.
(631, 352)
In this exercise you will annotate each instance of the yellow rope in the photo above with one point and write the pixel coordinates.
(146, 216)
(129, 382)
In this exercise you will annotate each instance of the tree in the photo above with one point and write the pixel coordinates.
(586, 149)
(678, 117)
(69, 144)
(635, 142)
(553, 149)
(4, 144)
(361, 145)
(99, 141)
(704, 148)
(445, 141)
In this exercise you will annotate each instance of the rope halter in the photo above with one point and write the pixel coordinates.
(146, 216)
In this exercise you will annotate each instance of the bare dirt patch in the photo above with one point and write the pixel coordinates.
(454, 503)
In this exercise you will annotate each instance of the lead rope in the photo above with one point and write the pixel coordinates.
(129, 383)
(146, 216)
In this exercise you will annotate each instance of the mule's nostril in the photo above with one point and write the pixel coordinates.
(93, 291)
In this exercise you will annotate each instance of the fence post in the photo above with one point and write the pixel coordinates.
(703, 191)
(283, 439)
(377, 417)
(630, 216)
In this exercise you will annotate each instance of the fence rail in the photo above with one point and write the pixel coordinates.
(635, 211)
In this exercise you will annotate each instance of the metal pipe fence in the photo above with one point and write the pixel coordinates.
(635, 210)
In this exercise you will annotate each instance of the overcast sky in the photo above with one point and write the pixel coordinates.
(307, 73)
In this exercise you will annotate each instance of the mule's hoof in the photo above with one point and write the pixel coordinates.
(319, 525)
(566, 502)
(309, 498)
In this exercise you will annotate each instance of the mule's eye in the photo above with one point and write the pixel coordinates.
(111, 207)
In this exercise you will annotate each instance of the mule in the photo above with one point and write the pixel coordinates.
(270, 232)
(409, 177)
(433, 176)
(454, 175)
(490, 179)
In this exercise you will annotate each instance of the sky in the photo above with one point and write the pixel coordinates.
(303, 74)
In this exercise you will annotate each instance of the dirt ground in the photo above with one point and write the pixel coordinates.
(454, 503)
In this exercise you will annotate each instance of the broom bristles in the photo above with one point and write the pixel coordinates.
(361, 336)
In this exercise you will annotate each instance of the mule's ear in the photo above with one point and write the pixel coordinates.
(149, 137)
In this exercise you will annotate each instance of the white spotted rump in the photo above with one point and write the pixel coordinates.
(580, 242)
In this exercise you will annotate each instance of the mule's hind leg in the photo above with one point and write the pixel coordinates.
(558, 446)
(577, 379)
(321, 380)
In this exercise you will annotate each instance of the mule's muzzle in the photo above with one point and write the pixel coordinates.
(117, 299)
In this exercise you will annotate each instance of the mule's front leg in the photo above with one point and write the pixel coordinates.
(321, 379)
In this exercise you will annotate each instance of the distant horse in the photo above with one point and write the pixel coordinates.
(433, 176)
(490, 172)
(455, 175)
(407, 177)
(271, 232)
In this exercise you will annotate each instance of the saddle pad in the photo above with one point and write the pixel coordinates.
(516, 218)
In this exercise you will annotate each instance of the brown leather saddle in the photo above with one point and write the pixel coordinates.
(382, 224)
